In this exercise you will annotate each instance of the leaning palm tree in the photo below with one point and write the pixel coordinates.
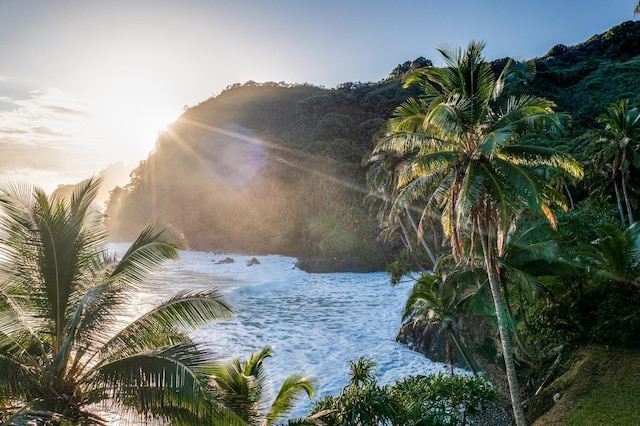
(461, 138)
(68, 352)
(615, 149)
(383, 186)
(243, 383)
(441, 298)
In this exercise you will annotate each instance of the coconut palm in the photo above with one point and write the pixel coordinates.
(383, 186)
(441, 298)
(463, 158)
(615, 255)
(72, 349)
(244, 385)
(615, 149)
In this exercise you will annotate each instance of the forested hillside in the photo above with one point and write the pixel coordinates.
(276, 168)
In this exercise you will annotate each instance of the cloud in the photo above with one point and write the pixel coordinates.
(40, 135)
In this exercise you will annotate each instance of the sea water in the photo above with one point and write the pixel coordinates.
(316, 322)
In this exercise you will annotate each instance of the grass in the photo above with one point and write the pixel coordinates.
(600, 387)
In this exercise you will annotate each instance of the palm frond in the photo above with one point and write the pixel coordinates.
(533, 156)
(165, 323)
(290, 392)
(154, 245)
(164, 377)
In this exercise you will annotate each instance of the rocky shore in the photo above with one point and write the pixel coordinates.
(326, 265)
(431, 339)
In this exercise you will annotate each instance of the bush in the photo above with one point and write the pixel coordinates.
(442, 400)
(420, 400)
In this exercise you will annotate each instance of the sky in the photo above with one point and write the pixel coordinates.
(88, 84)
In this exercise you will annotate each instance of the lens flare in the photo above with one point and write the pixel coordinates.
(231, 155)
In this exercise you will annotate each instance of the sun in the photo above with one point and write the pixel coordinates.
(131, 102)
(129, 121)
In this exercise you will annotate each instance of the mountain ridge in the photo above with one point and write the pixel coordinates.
(275, 167)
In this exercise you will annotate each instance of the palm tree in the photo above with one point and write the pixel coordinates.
(382, 183)
(244, 385)
(615, 148)
(461, 136)
(615, 255)
(441, 298)
(68, 353)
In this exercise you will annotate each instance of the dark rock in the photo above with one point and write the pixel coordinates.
(253, 261)
(478, 335)
(324, 265)
(225, 260)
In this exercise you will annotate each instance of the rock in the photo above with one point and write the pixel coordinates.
(326, 265)
(478, 335)
(226, 260)
(253, 261)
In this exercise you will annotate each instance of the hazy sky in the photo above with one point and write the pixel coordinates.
(87, 83)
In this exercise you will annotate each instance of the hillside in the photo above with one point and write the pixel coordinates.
(600, 386)
(275, 168)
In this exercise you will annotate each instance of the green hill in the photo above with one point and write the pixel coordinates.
(275, 168)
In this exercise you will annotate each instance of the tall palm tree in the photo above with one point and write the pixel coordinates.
(615, 148)
(383, 187)
(244, 385)
(68, 353)
(463, 157)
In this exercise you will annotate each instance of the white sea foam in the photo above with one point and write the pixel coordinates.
(316, 323)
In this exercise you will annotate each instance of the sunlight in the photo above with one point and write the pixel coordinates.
(130, 101)
(130, 123)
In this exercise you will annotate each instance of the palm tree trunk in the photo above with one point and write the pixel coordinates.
(488, 247)
(405, 235)
(618, 201)
(458, 344)
(566, 188)
(424, 243)
(626, 200)
(407, 243)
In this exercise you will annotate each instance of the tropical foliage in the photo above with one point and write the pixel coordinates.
(461, 159)
(443, 298)
(244, 386)
(72, 348)
(421, 400)
(306, 144)
(614, 152)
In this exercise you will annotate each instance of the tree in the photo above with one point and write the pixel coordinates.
(382, 181)
(361, 403)
(460, 136)
(244, 386)
(615, 255)
(441, 298)
(615, 149)
(67, 354)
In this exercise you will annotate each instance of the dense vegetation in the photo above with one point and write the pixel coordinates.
(265, 168)
(454, 178)
(73, 349)
(476, 167)
(273, 167)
